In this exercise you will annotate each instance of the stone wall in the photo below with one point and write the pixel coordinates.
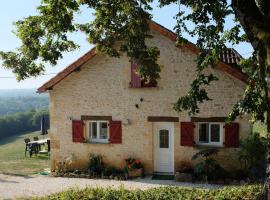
(102, 88)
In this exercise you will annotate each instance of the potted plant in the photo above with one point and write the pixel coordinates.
(133, 167)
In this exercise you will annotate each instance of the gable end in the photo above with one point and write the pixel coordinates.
(75, 66)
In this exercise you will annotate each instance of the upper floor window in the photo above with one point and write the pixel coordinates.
(210, 133)
(98, 131)
(136, 80)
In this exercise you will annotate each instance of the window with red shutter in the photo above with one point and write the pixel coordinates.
(136, 81)
(232, 135)
(77, 131)
(187, 134)
(115, 132)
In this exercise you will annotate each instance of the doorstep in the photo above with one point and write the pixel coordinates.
(163, 176)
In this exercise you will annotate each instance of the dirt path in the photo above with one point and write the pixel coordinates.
(16, 186)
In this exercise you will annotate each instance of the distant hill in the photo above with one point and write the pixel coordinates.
(14, 101)
(21, 111)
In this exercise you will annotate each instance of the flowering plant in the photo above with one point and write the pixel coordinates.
(132, 163)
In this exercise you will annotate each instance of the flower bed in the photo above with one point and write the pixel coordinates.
(96, 169)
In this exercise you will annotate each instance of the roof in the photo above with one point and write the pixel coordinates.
(230, 56)
(228, 59)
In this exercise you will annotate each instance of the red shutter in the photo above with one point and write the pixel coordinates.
(232, 135)
(115, 132)
(77, 131)
(187, 133)
(136, 81)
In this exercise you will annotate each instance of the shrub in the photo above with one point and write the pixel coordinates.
(239, 174)
(113, 171)
(64, 166)
(252, 155)
(250, 192)
(96, 165)
(186, 167)
(208, 168)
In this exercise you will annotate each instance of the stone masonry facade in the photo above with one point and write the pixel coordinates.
(101, 88)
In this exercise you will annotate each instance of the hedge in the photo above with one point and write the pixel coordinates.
(247, 192)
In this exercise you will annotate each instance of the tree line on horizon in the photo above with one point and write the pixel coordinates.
(22, 114)
(12, 105)
(22, 122)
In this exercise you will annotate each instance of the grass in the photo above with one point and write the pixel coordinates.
(247, 192)
(13, 161)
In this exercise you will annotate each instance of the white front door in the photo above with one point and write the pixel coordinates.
(163, 147)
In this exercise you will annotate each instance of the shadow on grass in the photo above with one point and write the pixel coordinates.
(38, 156)
(12, 138)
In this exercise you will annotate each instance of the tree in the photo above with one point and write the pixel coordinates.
(22, 122)
(120, 26)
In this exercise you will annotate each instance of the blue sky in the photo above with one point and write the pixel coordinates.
(13, 10)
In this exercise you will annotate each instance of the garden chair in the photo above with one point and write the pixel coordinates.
(39, 145)
(36, 138)
(27, 146)
(33, 149)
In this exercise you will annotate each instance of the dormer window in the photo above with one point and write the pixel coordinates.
(136, 79)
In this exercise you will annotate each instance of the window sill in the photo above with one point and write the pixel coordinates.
(205, 146)
(143, 87)
(96, 142)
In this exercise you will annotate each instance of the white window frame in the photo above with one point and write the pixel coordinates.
(98, 139)
(209, 143)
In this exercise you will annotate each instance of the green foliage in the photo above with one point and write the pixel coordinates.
(96, 165)
(20, 111)
(186, 167)
(253, 103)
(253, 149)
(44, 37)
(22, 122)
(249, 192)
(12, 105)
(112, 171)
(260, 128)
(131, 163)
(121, 27)
(64, 166)
(208, 168)
(252, 155)
(196, 95)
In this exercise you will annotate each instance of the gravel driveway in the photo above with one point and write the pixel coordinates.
(16, 186)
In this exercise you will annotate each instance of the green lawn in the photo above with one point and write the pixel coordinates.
(13, 161)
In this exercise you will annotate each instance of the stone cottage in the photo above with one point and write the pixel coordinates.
(99, 105)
